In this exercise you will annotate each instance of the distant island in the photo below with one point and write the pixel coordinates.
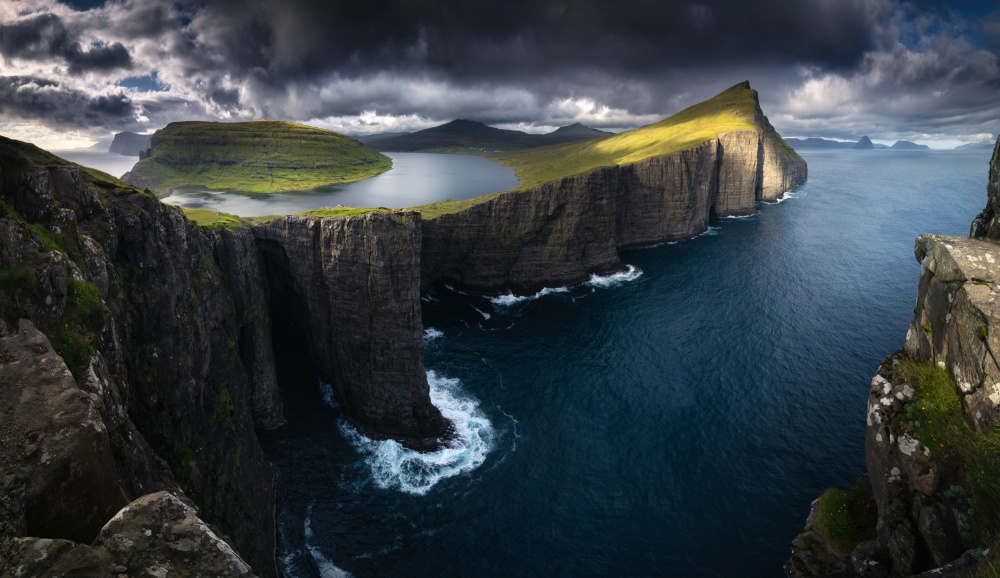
(259, 156)
(129, 144)
(985, 145)
(865, 143)
(907, 145)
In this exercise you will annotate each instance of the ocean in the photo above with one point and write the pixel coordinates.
(676, 419)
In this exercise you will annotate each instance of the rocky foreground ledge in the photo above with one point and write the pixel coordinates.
(930, 502)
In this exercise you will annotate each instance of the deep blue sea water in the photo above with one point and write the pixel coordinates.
(676, 422)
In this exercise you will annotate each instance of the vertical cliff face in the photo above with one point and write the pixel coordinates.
(740, 173)
(667, 198)
(987, 223)
(353, 289)
(560, 233)
(166, 338)
(552, 235)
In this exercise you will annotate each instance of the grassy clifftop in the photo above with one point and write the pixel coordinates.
(734, 109)
(261, 156)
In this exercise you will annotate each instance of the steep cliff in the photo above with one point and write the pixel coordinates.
(139, 359)
(129, 144)
(561, 232)
(931, 441)
(352, 289)
(166, 339)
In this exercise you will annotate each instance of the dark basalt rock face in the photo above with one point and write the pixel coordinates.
(353, 289)
(172, 364)
(987, 223)
(560, 233)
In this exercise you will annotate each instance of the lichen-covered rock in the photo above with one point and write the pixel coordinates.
(955, 323)
(360, 273)
(157, 535)
(55, 440)
(160, 535)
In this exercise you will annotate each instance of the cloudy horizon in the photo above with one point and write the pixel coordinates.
(74, 73)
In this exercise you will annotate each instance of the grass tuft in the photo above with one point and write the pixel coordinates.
(841, 516)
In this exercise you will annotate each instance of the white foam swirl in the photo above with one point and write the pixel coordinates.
(631, 273)
(511, 299)
(327, 569)
(395, 466)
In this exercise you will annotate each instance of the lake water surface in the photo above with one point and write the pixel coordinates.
(415, 179)
(677, 421)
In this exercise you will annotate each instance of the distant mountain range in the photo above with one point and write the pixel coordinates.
(864, 143)
(460, 135)
(976, 145)
(907, 145)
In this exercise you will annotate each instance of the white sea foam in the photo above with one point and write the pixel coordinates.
(327, 569)
(631, 273)
(430, 334)
(326, 390)
(394, 466)
(710, 231)
(481, 312)
(511, 299)
(785, 196)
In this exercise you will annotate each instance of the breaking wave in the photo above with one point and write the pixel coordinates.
(430, 334)
(631, 273)
(394, 466)
(511, 299)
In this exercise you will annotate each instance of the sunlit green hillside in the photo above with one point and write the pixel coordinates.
(734, 109)
(263, 155)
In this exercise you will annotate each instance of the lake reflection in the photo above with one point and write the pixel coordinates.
(415, 179)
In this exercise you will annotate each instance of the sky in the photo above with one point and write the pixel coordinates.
(75, 72)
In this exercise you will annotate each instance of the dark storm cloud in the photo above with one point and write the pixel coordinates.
(45, 37)
(61, 107)
(822, 67)
(521, 39)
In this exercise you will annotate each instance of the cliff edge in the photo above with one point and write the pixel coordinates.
(932, 435)
(662, 183)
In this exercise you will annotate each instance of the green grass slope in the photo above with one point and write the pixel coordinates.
(734, 109)
(260, 156)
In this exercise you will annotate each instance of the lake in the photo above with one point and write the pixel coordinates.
(415, 179)
(677, 420)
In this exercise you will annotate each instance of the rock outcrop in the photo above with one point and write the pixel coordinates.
(929, 479)
(560, 233)
(360, 273)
